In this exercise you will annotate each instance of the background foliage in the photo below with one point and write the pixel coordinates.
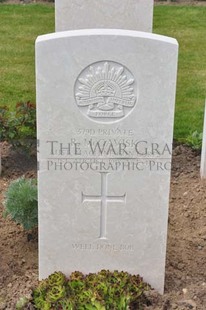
(18, 127)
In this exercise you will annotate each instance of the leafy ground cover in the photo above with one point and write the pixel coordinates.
(21, 24)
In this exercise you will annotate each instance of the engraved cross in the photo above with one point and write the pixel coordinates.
(103, 198)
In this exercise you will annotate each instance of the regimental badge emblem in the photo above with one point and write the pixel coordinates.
(106, 91)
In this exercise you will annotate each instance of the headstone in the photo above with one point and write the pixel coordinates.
(203, 153)
(105, 102)
(114, 14)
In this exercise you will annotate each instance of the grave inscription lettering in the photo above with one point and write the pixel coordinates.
(105, 107)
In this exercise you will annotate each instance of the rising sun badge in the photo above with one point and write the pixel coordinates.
(105, 91)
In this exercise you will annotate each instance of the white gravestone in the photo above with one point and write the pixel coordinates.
(105, 102)
(203, 153)
(114, 14)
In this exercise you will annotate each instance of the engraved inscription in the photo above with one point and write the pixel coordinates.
(103, 199)
(105, 91)
(103, 247)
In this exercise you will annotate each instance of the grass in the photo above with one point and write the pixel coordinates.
(21, 24)
(188, 25)
(19, 27)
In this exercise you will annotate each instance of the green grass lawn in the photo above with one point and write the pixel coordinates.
(188, 25)
(19, 27)
(21, 24)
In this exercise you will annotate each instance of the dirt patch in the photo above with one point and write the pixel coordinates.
(185, 284)
(18, 257)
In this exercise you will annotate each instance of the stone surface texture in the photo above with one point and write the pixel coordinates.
(203, 153)
(114, 14)
(105, 105)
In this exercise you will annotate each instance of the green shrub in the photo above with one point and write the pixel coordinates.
(195, 140)
(102, 291)
(21, 202)
(19, 127)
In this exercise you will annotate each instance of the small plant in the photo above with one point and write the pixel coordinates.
(4, 122)
(102, 291)
(19, 127)
(195, 140)
(21, 202)
(21, 303)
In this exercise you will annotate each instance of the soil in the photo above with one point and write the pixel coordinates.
(185, 283)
